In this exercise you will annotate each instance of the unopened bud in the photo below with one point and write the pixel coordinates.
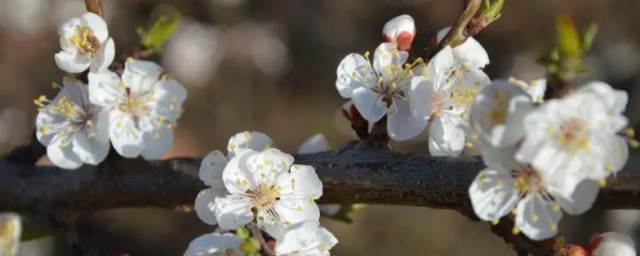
(612, 244)
(400, 30)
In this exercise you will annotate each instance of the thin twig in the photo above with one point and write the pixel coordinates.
(458, 33)
(94, 6)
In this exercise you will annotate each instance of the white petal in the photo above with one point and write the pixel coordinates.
(255, 141)
(402, 125)
(420, 95)
(11, 226)
(232, 212)
(537, 218)
(306, 238)
(369, 104)
(613, 244)
(352, 71)
(388, 54)
(470, 52)
(294, 211)
(157, 143)
(140, 75)
(214, 244)
(493, 194)
(104, 56)
(211, 168)
(205, 204)
(578, 202)
(97, 24)
(236, 175)
(503, 158)
(302, 183)
(314, 144)
(271, 161)
(71, 62)
(104, 88)
(89, 150)
(397, 26)
(438, 66)
(168, 96)
(126, 138)
(63, 157)
(45, 119)
(445, 138)
(497, 114)
(617, 154)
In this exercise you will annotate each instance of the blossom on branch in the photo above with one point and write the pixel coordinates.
(85, 43)
(443, 95)
(306, 239)
(213, 165)
(143, 107)
(382, 89)
(400, 30)
(578, 134)
(535, 196)
(74, 130)
(268, 188)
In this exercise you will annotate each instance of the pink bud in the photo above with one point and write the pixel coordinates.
(612, 244)
(400, 30)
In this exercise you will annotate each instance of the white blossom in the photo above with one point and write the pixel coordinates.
(85, 43)
(214, 163)
(577, 135)
(535, 196)
(267, 187)
(612, 244)
(470, 53)
(306, 239)
(535, 88)
(74, 130)
(215, 244)
(381, 89)
(443, 95)
(143, 107)
(400, 30)
(497, 114)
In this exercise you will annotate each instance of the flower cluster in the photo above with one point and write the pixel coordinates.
(134, 109)
(258, 185)
(412, 94)
(543, 159)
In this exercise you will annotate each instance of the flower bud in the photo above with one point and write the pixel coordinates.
(612, 244)
(400, 30)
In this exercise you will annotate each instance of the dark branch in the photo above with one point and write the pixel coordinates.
(94, 6)
(351, 175)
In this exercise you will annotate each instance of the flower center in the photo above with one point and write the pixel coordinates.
(84, 40)
(573, 135)
(264, 197)
(133, 105)
(7, 230)
(527, 180)
(499, 108)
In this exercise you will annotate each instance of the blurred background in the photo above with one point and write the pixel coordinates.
(270, 66)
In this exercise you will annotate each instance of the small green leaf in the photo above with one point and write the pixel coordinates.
(159, 32)
(588, 36)
(243, 233)
(569, 42)
(250, 246)
(491, 10)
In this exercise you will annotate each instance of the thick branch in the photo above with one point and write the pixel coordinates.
(352, 175)
(94, 6)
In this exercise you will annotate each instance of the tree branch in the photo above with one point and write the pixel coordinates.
(94, 6)
(459, 32)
